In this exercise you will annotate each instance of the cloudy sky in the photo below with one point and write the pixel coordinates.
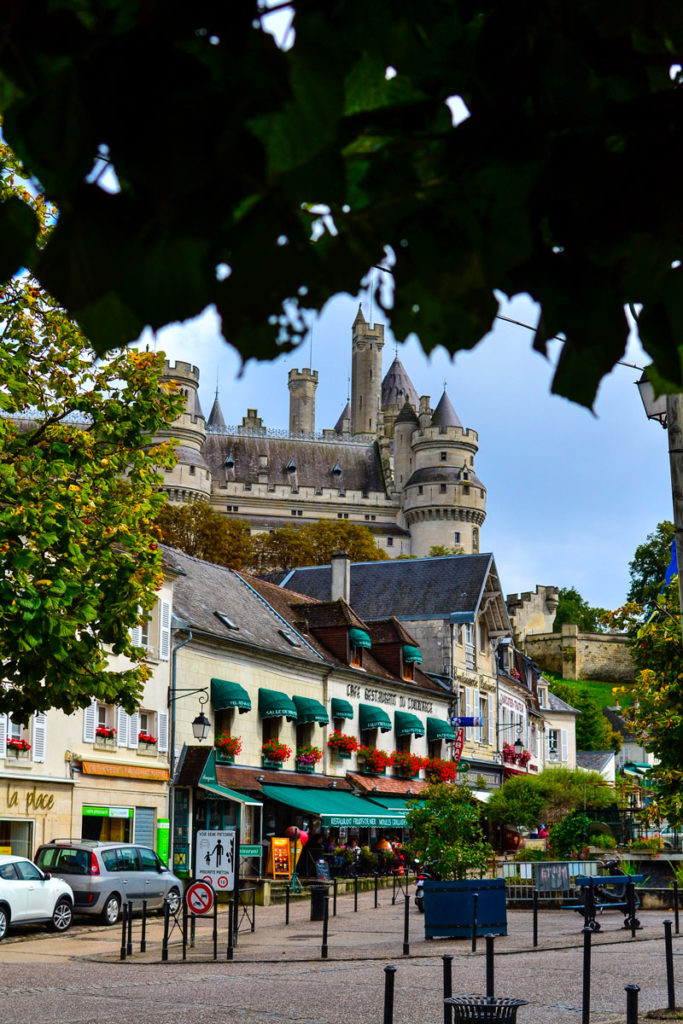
(570, 493)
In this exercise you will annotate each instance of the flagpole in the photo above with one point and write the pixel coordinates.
(674, 425)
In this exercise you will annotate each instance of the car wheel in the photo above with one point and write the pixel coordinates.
(111, 909)
(62, 915)
(4, 921)
(173, 900)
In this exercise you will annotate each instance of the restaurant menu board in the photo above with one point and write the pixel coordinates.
(279, 862)
(322, 871)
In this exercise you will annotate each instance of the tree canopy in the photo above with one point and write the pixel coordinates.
(446, 831)
(526, 800)
(264, 179)
(649, 564)
(574, 608)
(593, 731)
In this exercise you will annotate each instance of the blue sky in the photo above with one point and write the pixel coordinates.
(570, 493)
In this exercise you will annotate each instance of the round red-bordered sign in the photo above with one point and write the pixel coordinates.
(223, 881)
(199, 898)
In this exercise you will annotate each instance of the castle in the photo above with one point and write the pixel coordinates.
(391, 463)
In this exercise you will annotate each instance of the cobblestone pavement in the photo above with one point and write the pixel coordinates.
(277, 974)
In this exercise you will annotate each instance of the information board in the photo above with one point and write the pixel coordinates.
(279, 861)
(322, 871)
(215, 858)
(551, 876)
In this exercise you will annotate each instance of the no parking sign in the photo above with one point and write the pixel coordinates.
(199, 898)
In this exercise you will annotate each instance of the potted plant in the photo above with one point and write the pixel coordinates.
(307, 757)
(274, 753)
(145, 737)
(343, 744)
(227, 747)
(407, 765)
(438, 770)
(376, 761)
(106, 735)
(509, 753)
(17, 746)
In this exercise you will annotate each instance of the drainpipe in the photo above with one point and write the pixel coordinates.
(172, 701)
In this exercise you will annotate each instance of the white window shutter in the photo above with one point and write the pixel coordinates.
(136, 636)
(547, 744)
(492, 722)
(39, 735)
(162, 737)
(164, 630)
(3, 735)
(122, 721)
(476, 711)
(565, 745)
(133, 729)
(468, 702)
(89, 722)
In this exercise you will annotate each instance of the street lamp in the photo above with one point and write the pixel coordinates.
(667, 410)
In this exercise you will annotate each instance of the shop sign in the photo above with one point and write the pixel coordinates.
(251, 851)
(376, 821)
(34, 800)
(396, 700)
(458, 744)
(107, 812)
(215, 858)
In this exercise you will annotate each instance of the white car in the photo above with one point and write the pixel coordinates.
(30, 896)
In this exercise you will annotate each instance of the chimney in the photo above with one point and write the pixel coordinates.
(341, 576)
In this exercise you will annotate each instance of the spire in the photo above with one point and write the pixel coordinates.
(346, 415)
(197, 407)
(216, 415)
(360, 319)
(397, 387)
(444, 414)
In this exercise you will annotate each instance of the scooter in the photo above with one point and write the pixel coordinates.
(421, 874)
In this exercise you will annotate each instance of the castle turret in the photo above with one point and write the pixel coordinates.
(302, 385)
(404, 427)
(443, 501)
(366, 375)
(190, 479)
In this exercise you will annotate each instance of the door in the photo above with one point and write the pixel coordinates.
(154, 888)
(39, 898)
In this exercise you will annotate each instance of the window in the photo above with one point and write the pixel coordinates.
(470, 656)
(553, 744)
(192, 470)
(148, 859)
(444, 456)
(466, 489)
(409, 670)
(232, 508)
(390, 542)
(442, 488)
(356, 658)
(420, 489)
(270, 728)
(456, 537)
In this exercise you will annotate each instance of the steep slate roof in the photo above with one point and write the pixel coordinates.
(203, 589)
(620, 724)
(407, 415)
(445, 415)
(593, 760)
(190, 456)
(397, 387)
(444, 474)
(346, 415)
(216, 415)
(409, 589)
(560, 706)
(314, 461)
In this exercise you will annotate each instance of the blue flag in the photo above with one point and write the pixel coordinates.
(672, 569)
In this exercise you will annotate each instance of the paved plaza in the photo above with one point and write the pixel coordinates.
(277, 974)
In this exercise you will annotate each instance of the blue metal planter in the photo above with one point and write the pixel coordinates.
(448, 908)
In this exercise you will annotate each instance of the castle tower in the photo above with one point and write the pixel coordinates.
(443, 500)
(405, 425)
(190, 479)
(397, 389)
(366, 374)
(302, 385)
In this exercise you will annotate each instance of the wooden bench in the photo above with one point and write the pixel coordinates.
(593, 900)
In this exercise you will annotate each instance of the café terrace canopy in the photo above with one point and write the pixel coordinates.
(336, 809)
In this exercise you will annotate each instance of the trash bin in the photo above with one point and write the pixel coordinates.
(318, 897)
(467, 1009)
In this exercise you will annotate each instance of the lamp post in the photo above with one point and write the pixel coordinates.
(667, 410)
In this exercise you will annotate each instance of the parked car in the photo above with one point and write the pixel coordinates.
(103, 875)
(31, 896)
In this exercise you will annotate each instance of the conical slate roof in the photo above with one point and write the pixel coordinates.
(445, 415)
(346, 415)
(197, 407)
(216, 415)
(397, 387)
(360, 319)
(407, 414)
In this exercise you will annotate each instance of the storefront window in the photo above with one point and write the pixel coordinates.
(108, 824)
(16, 837)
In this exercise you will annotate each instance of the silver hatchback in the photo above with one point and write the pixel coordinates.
(104, 875)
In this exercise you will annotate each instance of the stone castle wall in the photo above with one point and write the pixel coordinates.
(574, 655)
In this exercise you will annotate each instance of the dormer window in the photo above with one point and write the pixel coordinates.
(291, 466)
(358, 640)
(336, 470)
(230, 461)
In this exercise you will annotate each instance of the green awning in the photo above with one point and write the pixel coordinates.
(411, 653)
(359, 638)
(370, 717)
(273, 704)
(336, 809)
(637, 769)
(309, 710)
(208, 781)
(341, 708)
(406, 724)
(395, 804)
(229, 695)
(438, 729)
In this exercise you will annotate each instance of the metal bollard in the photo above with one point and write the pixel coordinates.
(406, 926)
(129, 941)
(193, 923)
(489, 966)
(389, 978)
(287, 904)
(586, 998)
(215, 929)
(676, 908)
(253, 910)
(669, 952)
(164, 941)
(231, 922)
(143, 933)
(376, 888)
(326, 918)
(475, 900)
(124, 930)
(447, 987)
(632, 1004)
(535, 939)
(393, 890)
(355, 894)
(184, 930)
